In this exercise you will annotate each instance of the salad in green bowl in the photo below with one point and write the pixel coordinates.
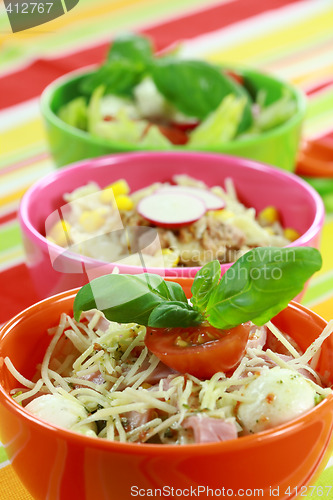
(137, 100)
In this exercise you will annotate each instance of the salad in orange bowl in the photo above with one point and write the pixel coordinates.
(98, 383)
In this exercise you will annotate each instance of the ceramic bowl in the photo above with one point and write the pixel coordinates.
(56, 463)
(276, 147)
(54, 270)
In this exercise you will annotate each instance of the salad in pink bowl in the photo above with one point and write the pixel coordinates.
(56, 268)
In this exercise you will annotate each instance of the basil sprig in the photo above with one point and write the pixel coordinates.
(260, 284)
(196, 88)
(127, 63)
(255, 288)
(204, 283)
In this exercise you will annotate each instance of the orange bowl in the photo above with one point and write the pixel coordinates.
(57, 463)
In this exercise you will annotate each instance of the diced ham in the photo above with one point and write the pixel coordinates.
(134, 419)
(165, 385)
(275, 345)
(210, 430)
(95, 377)
(284, 357)
(161, 371)
(102, 324)
(257, 337)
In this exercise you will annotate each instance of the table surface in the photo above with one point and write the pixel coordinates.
(292, 39)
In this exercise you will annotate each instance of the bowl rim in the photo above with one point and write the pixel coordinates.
(49, 91)
(94, 163)
(150, 448)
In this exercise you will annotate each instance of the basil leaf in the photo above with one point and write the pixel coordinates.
(175, 292)
(125, 298)
(173, 314)
(204, 283)
(260, 284)
(194, 87)
(134, 48)
(118, 77)
(127, 62)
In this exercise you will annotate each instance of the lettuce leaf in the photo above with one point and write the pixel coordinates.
(74, 113)
(221, 125)
(276, 113)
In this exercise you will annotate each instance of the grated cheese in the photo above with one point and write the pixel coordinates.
(108, 373)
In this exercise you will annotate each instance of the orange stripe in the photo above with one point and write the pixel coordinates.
(9, 198)
(12, 486)
(324, 309)
(86, 12)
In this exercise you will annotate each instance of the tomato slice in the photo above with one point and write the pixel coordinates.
(199, 350)
(185, 126)
(174, 134)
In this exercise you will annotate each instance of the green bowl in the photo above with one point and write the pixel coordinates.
(276, 147)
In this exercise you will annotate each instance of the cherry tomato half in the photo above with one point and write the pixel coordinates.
(199, 350)
(185, 126)
(174, 134)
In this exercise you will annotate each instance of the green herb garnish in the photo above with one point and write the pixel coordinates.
(255, 288)
(194, 87)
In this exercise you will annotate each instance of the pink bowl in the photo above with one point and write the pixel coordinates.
(257, 185)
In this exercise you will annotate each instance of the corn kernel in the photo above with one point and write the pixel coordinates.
(222, 215)
(107, 196)
(291, 234)
(124, 202)
(120, 187)
(269, 215)
(59, 233)
(115, 189)
(91, 221)
(171, 258)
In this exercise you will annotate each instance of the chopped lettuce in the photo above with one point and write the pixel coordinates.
(276, 113)
(74, 113)
(155, 139)
(94, 114)
(122, 129)
(221, 125)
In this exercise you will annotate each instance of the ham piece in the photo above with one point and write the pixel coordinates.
(209, 430)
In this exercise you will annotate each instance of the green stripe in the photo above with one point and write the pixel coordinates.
(10, 236)
(319, 113)
(319, 289)
(22, 154)
(3, 455)
(320, 104)
(13, 257)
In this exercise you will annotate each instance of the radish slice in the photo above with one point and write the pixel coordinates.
(211, 201)
(171, 209)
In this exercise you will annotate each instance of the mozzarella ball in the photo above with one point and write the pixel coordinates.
(149, 101)
(276, 396)
(60, 411)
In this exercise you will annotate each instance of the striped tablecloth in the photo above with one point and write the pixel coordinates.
(290, 38)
